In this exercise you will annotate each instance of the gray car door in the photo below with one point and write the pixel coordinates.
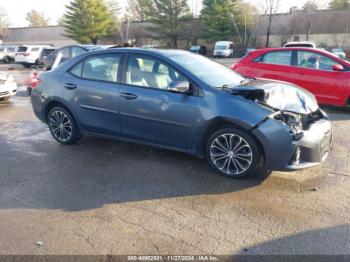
(92, 88)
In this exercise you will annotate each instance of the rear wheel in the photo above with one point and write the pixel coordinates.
(233, 153)
(62, 126)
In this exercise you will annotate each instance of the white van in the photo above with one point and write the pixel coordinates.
(28, 55)
(223, 49)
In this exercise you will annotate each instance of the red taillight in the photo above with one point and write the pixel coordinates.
(26, 54)
(34, 80)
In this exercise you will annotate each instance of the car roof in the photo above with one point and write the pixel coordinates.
(164, 52)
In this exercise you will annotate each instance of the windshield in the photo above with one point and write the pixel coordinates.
(211, 73)
(221, 47)
(195, 48)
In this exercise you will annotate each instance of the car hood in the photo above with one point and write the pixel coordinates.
(278, 95)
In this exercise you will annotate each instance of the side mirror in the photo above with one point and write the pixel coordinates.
(338, 68)
(180, 87)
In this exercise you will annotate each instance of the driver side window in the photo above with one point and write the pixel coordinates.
(151, 73)
(313, 60)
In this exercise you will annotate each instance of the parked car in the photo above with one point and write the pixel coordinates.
(8, 87)
(199, 49)
(182, 101)
(150, 47)
(45, 53)
(28, 55)
(7, 53)
(320, 72)
(65, 53)
(223, 49)
(339, 52)
(301, 44)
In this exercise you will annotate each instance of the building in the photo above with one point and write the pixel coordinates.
(44, 35)
(327, 28)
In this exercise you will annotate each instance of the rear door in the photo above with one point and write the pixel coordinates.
(315, 74)
(92, 88)
(276, 65)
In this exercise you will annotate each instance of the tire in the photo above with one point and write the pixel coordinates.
(232, 153)
(29, 91)
(63, 127)
(7, 59)
(6, 98)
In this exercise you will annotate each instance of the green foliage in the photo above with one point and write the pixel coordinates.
(310, 5)
(220, 17)
(169, 18)
(35, 18)
(339, 4)
(86, 21)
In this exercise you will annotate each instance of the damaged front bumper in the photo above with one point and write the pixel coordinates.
(283, 152)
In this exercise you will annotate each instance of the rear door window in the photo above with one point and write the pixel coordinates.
(276, 58)
(101, 67)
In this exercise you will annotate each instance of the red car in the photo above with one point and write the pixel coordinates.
(322, 73)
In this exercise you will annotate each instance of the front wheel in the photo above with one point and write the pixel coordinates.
(233, 153)
(62, 126)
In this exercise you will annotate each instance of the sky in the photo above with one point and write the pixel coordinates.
(16, 10)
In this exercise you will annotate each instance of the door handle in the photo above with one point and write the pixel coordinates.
(128, 96)
(70, 86)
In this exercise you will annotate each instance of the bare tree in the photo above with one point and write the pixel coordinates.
(270, 9)
(3, 24)
(36, 18)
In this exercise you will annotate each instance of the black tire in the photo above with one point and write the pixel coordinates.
(7, 59)
(63, 127)
(6, 98)
(242, 154)
(29, 91)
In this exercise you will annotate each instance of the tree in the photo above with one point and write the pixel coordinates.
(169, 18)
(87, 21)
(311, 5)
(137, 9)
(3, 24)
(270, 8)
(222, 19)
(35, 18)
(339, 4)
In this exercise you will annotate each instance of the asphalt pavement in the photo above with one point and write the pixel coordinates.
(110, 197)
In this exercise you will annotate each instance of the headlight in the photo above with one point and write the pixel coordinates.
(292, 120)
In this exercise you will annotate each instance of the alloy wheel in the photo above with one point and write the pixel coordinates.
(61, 126)
(231, 154)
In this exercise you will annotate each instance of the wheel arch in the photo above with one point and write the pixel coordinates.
(219, 123)
(54, 102)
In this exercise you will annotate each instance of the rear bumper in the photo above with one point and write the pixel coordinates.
(282, 153)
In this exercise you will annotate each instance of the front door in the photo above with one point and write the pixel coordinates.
(149, 111)
(315, 74)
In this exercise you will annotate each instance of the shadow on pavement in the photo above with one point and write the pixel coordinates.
(37, 172)
(329, 244)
